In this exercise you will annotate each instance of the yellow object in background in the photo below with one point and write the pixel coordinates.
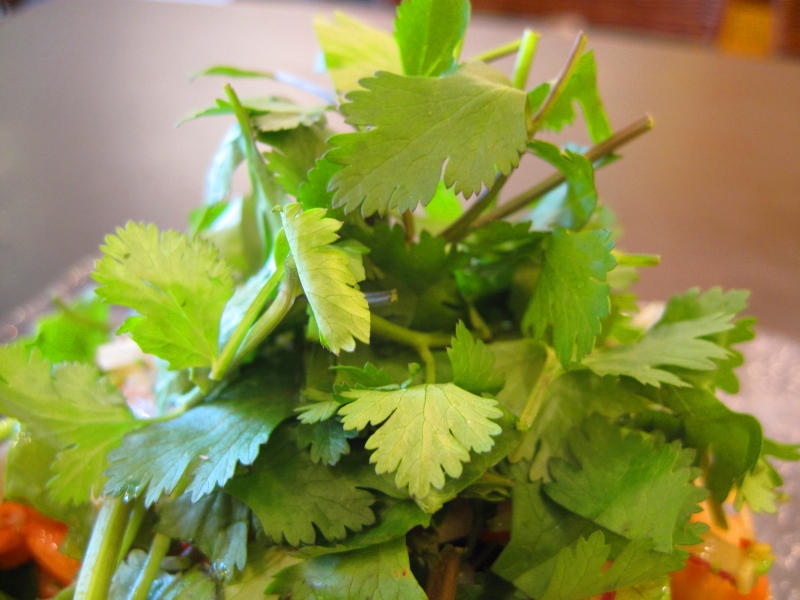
(746, 27)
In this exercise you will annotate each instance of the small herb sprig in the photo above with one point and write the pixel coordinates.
(349, 365)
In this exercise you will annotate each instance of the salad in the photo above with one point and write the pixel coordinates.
(374, 377)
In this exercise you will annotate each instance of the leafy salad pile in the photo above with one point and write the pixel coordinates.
(362, 391)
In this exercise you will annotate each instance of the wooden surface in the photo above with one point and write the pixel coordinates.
(90, 91)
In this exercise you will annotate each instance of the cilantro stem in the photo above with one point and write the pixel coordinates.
(262, 182)
(459, 228)
(550, 371)
(419, 340)
(522, 65)
(498, 52)
(100, 560)
(132, 527)
(558, 87)
(158, 550)
(223, 361)
(601, 150)
(409, 226)
(287, 292)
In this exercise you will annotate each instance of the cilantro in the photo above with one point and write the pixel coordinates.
(178, 286)
(215, 523)
(70, 405)
(340, 310)
(205, 442)
(426, 431)
(294, 154)
(292, 497)
(228, 156)
(472, 120)
(327, 439)
(264, 563)
(379, 572)
(353, 50)
(577, 196)
(429, 33)
(571, 295)
(678, 344)
(626, 483)
(473, 364)
(74, 331)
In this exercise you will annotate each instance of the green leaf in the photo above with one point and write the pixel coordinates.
(628, 483)
(353, 50)
(340, 310)
(264, 563)
(472, 120)
(557, 555)
(27, 470)
(292, 497)
(205, 442)
(581, 88)
(520, 362)
(693, 305)
(571, 295)
(316, 412)
(379, 572)
(314, 192)
(429, 33)
(575, 200)
(758, 489)
(216, 523)
(443, 209)
(733, 439)
(782, 451)
(71, 406)
(178, 286)
(473, 364)
(394, 518)
(294, 154)
(327, 439)
(678, 344)
(369, 376)
(194, 584)
(74, 331)
(425, 431)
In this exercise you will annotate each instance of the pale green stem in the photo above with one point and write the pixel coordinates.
(522, 65)
(421, 341)
(601, 150)
(225, 358)
(558, 87)
(498, 52)
(78, 317)
(288, 291)
(100, 560)
(135, 519)
(550, 371)
(459, 228)
(158, 550)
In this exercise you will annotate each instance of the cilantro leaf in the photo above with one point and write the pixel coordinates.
(353, 50)
(471, 119)
(74, 331)
(316, 412)
(216, 523)
(340, 310)
(570, 294)
(557, 555)
(425, 431)
(71, 405)
(758, 489)
(576, 198)
(313, 193)
(294, 154)
(194, 584)
(291, 496)
(693, 305)
(327, 439)
(473, 364)
(520, 362)
(733, 439)
(581, 88)
(394, 518)
(228, 156)
(428, 33)
(627, 483)
(369, 376)
(205, 442)
(178, 286)
(379, 572)
(679, 344)
(264, 563)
